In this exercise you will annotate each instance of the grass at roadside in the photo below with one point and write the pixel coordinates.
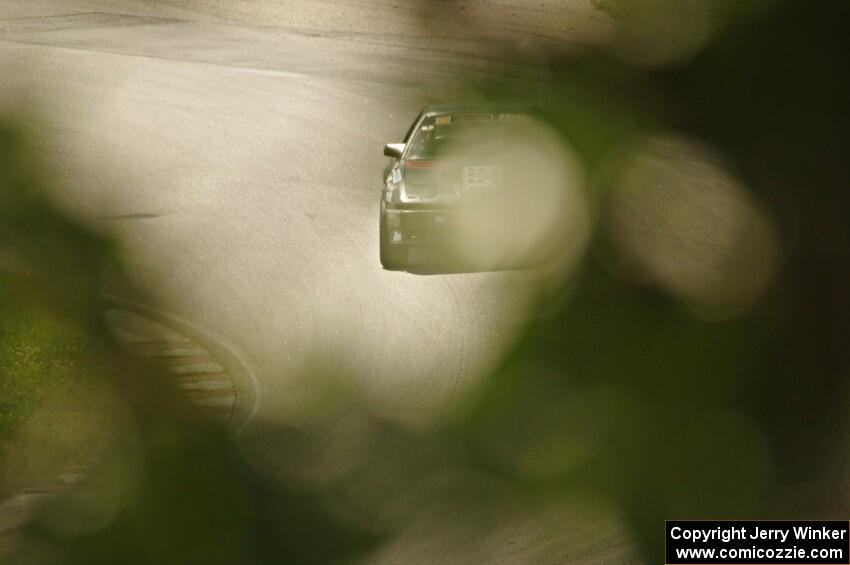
(49, 404)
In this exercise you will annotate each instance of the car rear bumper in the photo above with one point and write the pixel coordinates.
(423, 227)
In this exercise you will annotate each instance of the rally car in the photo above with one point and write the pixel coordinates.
(437, 177)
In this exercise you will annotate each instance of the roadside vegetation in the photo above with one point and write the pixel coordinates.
(48, 405)
(52, 399)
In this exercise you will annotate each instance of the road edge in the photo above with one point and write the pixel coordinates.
(246, 383)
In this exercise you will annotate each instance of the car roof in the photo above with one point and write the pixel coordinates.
(487, 107)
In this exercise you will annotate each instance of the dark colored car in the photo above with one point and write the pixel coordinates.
(438, 176)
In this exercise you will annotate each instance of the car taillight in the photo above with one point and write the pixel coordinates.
(422, 164)
(426, 179)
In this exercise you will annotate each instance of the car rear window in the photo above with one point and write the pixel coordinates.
(469, 127)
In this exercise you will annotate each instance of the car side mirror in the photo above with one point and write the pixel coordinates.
(394, 150)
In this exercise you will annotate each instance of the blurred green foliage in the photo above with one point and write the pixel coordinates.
(48, 394)
(615, 389)
(166, 486)
(679, 417)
